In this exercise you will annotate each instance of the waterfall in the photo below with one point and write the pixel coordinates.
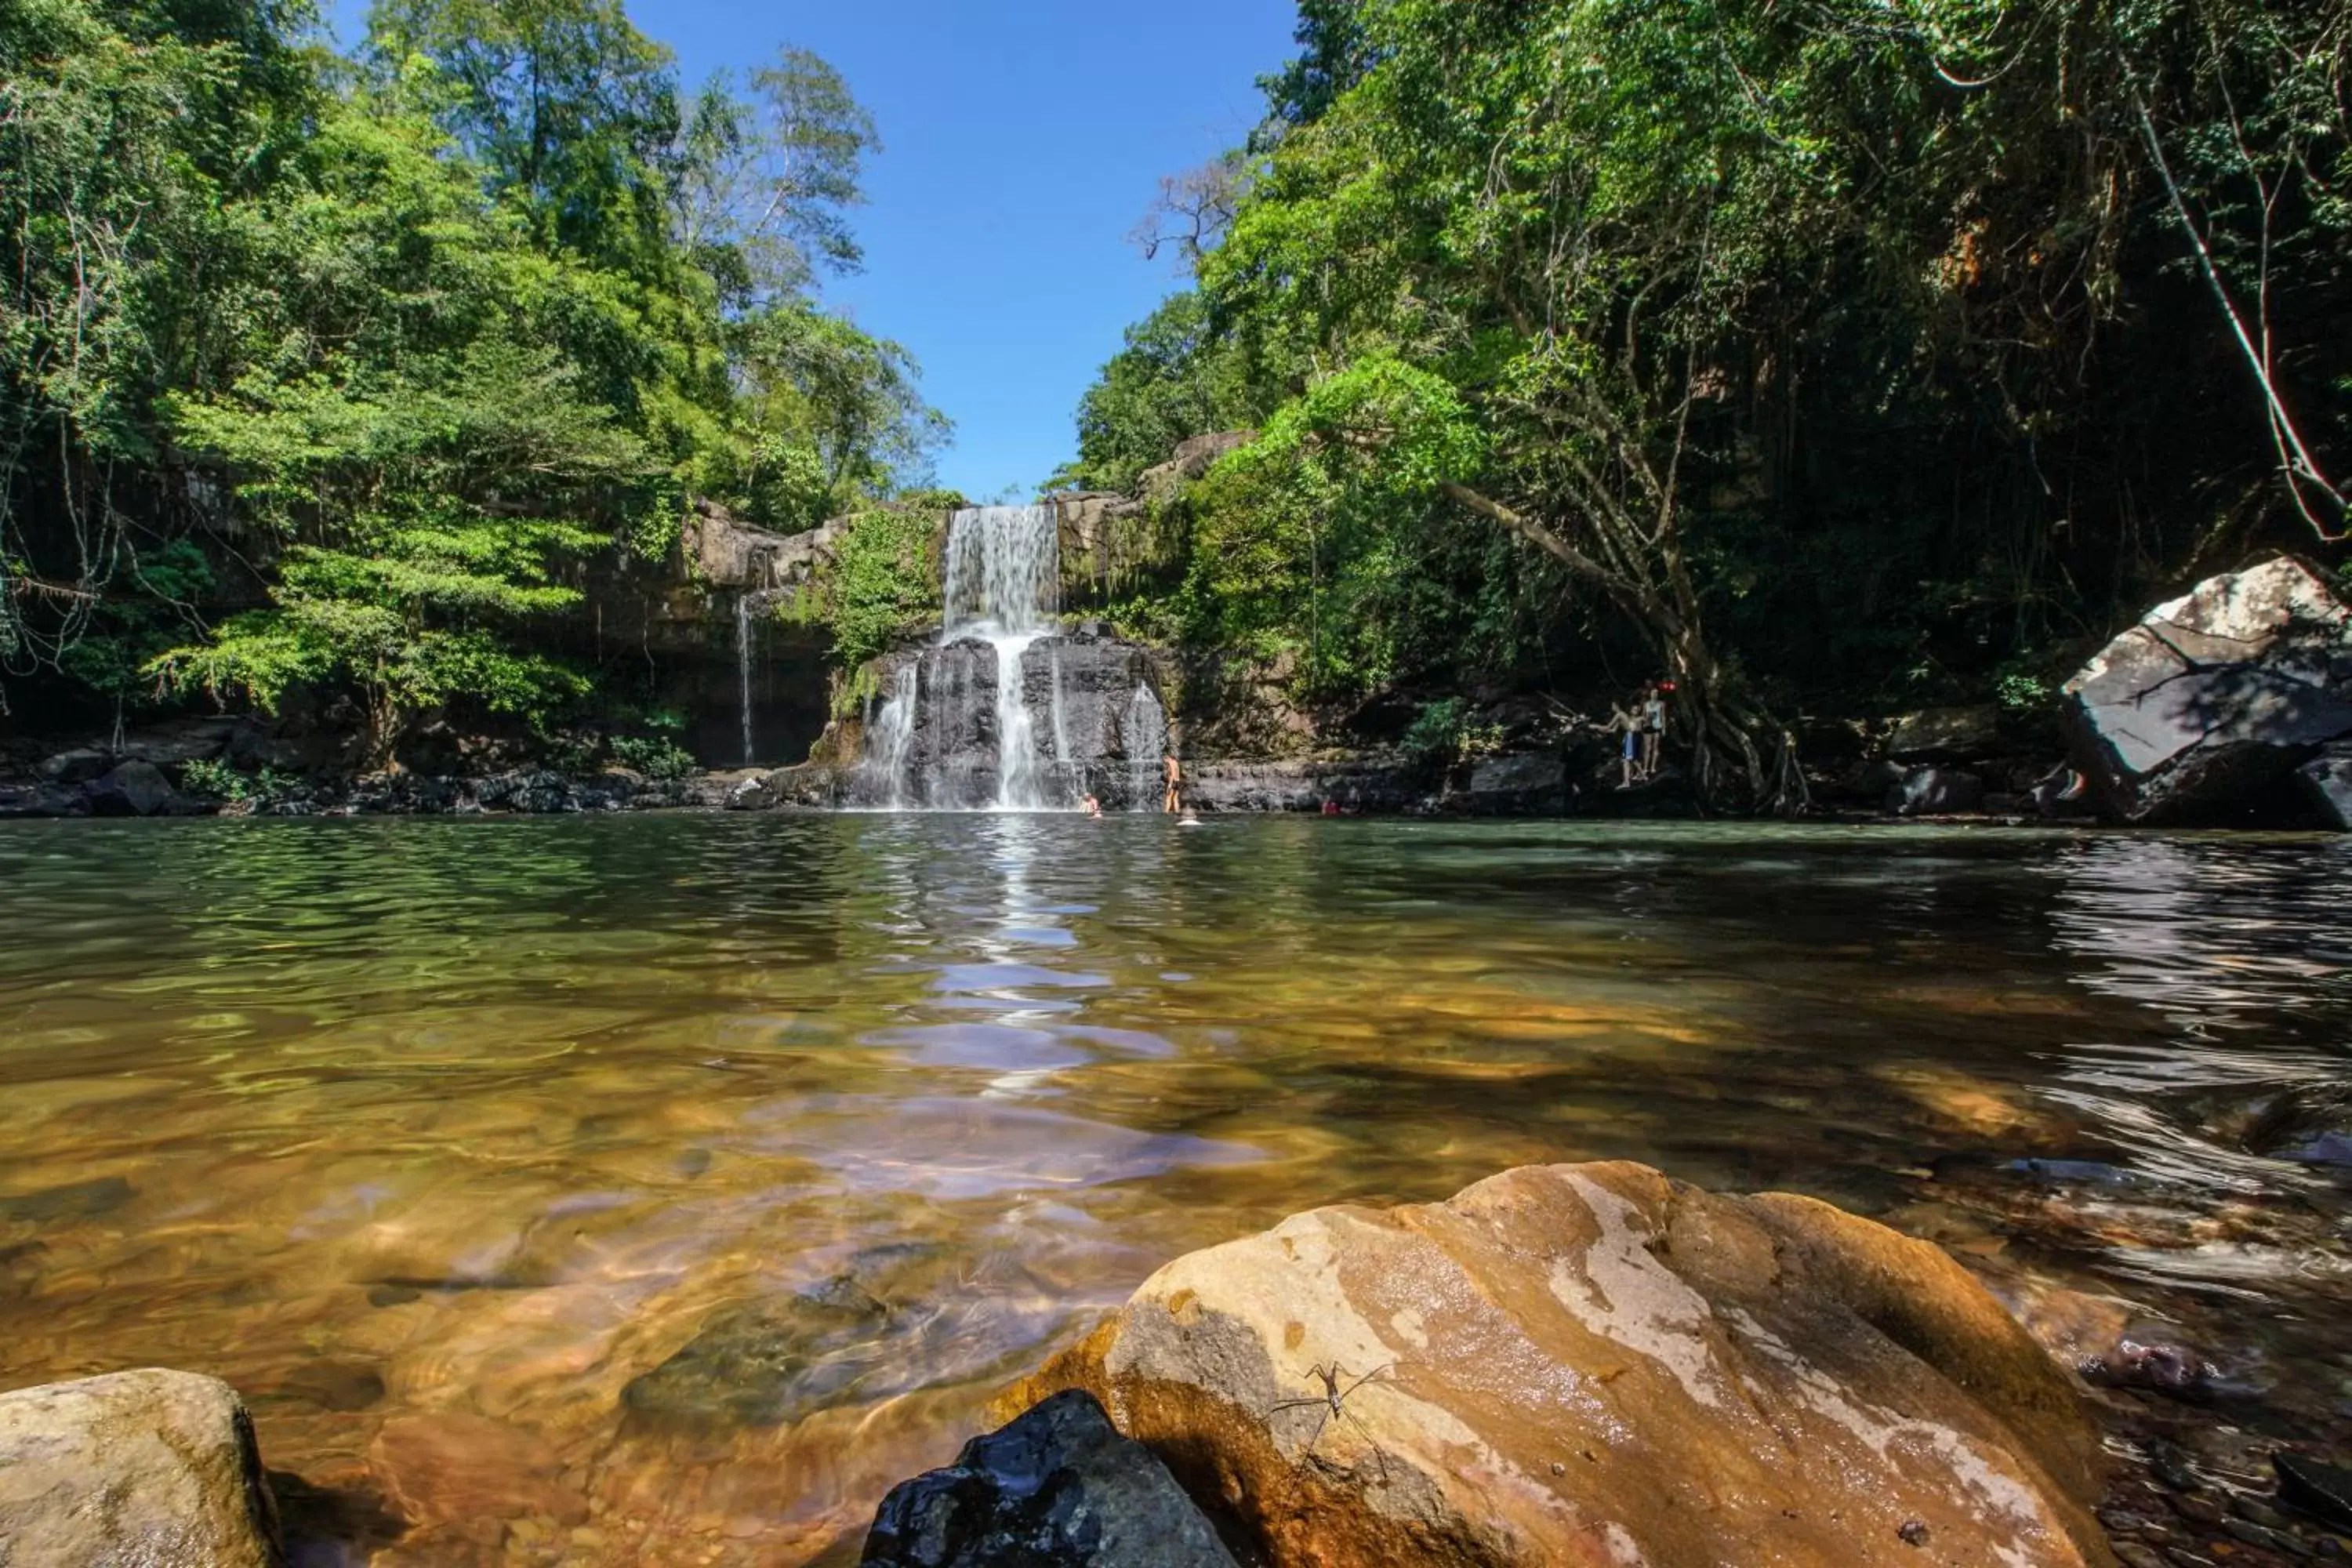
(743, 665)
(1144, 730)
(1004, 578)
(1001, 712)
(890, 738)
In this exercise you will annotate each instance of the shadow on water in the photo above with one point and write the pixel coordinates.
(648, 1190)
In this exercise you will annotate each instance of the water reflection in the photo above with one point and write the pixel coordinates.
(659, 1190)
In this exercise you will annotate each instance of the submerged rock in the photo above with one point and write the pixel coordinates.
(2215, 698)
(2311, 1123)
(2322, 1490)
(1591, 1364)
(137, 1468)
(771, 1363)
(1058, 1487)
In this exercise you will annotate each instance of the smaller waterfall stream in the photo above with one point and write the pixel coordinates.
(1144, 730)
(890, 738)
(743, 666)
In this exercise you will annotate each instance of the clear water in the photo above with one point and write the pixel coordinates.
(443, 1139)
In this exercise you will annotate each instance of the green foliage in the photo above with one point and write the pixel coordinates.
(2022, 690)
(761, 187)
(1442, 735)
(1175, 378)
(882, 583)
(414, 344)
(214, 778)
(655, 756)
(1854, 341)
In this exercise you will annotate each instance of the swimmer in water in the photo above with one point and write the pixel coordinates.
(1093, 808)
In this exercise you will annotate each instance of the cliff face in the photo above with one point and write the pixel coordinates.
(708, 629)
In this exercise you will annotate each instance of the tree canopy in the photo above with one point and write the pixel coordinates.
(1881, 350)
(333, 372)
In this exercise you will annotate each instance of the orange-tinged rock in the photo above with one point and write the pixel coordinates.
(1575, 1365)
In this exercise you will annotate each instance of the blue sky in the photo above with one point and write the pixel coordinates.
(1021, 141)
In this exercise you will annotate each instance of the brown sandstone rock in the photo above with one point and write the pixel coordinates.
(1591, 1365)
(132, 1470)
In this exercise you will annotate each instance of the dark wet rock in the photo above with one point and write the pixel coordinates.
(2310, 1123)
(1367, 784)
(2215, 698)
(2315, 1488)
(1935, 791)
(132, 789)
(80, 766)
(1947, 735)
(812, 786)
(538, 793)
(769, 1364)
(178, 743)
(2170, 1464)
(2326, 781)
(76, 1200)
(41, 800)
(1527, 784)
(1106, 741)
(137, 1468)
(1058, 1487)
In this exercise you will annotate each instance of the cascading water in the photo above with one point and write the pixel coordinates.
(1003, 574)
(1144, 730)
(743, 666)
(890, 738)
(1003, 710)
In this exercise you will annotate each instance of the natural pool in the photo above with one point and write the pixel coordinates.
(659, 1190)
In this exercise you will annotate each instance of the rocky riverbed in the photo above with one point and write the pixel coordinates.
(1573, 1365)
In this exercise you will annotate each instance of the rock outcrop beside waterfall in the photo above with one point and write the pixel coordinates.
(1594, 1365)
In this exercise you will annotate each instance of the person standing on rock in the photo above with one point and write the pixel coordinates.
(1628, 723)
(1654, 728)
(1173, 772)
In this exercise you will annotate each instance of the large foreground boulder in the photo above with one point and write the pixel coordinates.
(1058, 1487)
(1590, 1365)
(2215, 698)
(137, 1469)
